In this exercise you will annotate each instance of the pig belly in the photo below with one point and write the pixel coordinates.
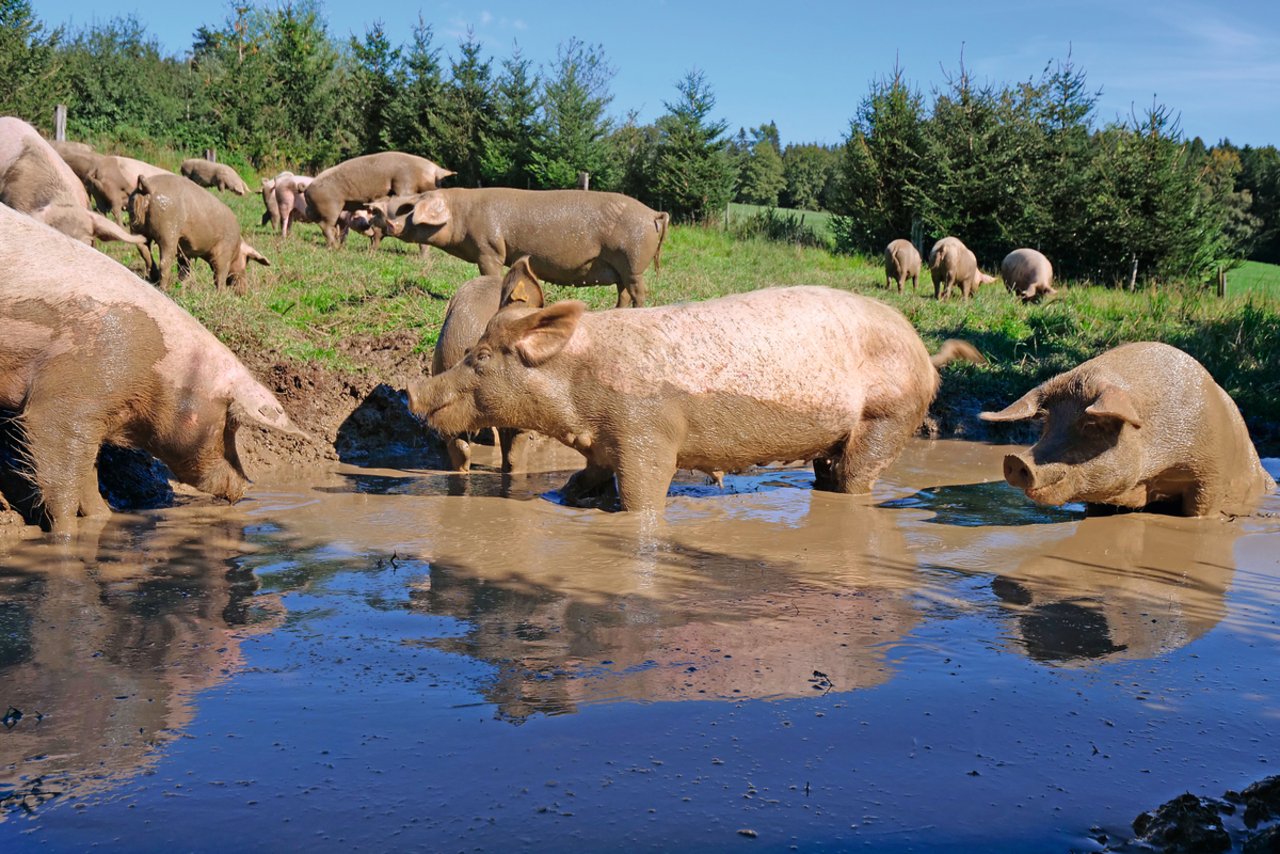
(593, 271)
(727, 431)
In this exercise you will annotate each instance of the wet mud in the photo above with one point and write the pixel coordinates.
(401, 657)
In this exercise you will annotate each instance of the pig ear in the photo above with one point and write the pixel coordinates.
(256, 405)
(432, 210)
(543, 334)
(1020, 410)
(521, 285)
(1114, 402)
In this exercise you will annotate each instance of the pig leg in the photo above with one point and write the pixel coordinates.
(868, 451)
(644, 477)
(91, 500)
(168, 257)
(459, 450)
(624, 297)
(64, 457)
(490, 264)
(634, 288)
(516, 446)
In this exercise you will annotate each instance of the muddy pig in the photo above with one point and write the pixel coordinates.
(93, 354)
(573, 237)
(952, 264)
(1028, 275)
(36, 181)
(354, 182)
(219, 176)
(97, 172)
(1141, 424)
(464, 322)
(901, 262)
(188, 221)
(801, 373)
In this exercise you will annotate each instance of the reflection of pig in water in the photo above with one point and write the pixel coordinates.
(102, 654)
(1141, 424)
(93, 354)
(1121, 587)
(722, 608)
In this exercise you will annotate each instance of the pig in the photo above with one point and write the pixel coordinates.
(117, 177)
(799, 373)
(1142, 424)
(354, 182)
(1028, 275)
(188, 221)
(36, 181)
(206, 173)
(572, 237)
(99, 173)
(464, 322)
(93, 354)
(901, 262)
(272, 213)
(951, 263)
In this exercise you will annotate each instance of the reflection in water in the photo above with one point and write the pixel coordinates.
(992, 503)
(103, 644)
(1127, 586)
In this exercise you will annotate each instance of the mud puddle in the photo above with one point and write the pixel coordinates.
(381, 658)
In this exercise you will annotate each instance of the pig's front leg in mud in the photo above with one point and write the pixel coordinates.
(593, 483)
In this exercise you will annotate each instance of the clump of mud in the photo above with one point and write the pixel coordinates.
(1190, 823)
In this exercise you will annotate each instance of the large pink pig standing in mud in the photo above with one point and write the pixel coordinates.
(93, 354)
(778, 374)
(1141, 424)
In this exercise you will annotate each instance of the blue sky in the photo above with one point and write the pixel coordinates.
(807, 65)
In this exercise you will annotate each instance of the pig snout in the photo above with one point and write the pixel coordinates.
(419, 391)
(1024, 474)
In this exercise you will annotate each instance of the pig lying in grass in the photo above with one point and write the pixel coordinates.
(803, 373)
(93, 354)
(1141, 424)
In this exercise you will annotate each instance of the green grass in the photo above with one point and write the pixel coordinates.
(311, 302)
(1254, 277)
(819, 221)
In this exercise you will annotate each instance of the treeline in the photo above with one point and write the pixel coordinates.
(1001, 166)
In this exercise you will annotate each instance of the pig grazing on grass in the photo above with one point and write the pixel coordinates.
(464, 322)
(219, 176)
(1028, 275)
(36, 181)
(93, 354)
(1141, 424)
(952, 264)
(901, 262)
(187, 221)
(802, 373)
(354, 182)
(572, 237)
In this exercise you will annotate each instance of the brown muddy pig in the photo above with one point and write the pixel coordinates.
(572, 237)
(36, 181)
(1139, 425)
(952, 264)
(354, 182)
(464, 322)
(901, 262)
(188, 221)
(116, 177)
(99, 173)
(1028, 275)
(93, 354)
(802, 373)
(218, 176)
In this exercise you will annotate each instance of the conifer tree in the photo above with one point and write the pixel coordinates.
(695, 173)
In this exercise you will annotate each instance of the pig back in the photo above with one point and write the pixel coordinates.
(806, 361)
(464, 320)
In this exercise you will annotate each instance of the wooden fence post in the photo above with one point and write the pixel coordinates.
(1222, 283)
(60, 122)
(584, 180)
(211, 154)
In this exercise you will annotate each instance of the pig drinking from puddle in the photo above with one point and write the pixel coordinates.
(803, 373)
(93, 354)
(464, 322)
(1141, 424)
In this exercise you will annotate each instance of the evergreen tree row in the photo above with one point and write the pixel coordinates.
(999, 166)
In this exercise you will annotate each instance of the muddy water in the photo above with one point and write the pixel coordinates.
(406, 659)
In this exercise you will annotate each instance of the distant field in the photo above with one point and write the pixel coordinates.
(1254, 276)
(819, 221)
